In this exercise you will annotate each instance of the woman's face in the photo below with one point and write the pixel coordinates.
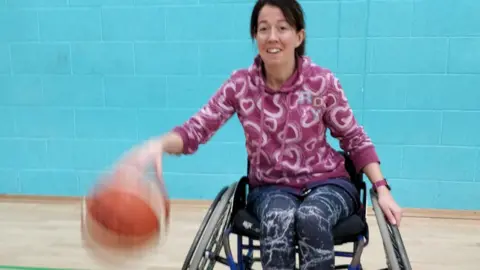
(276, 39)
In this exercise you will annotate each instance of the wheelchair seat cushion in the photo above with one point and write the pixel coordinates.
(345, 231)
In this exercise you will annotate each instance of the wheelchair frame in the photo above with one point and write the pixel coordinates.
(227, 215)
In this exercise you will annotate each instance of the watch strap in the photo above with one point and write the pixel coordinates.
(381, 183)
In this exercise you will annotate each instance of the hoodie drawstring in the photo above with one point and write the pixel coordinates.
(278, 165)
(262, 126)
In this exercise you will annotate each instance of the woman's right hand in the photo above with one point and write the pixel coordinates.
(151, 153)
(140, 158)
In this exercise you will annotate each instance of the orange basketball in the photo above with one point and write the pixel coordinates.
(124, 217)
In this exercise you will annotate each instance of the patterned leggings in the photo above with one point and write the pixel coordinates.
(308, 220)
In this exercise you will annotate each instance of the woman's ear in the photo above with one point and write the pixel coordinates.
(300, 37)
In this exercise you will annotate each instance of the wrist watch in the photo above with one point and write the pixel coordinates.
(380, 183)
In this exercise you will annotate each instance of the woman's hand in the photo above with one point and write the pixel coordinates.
(141, 157)
(150, 153)
(390, 208)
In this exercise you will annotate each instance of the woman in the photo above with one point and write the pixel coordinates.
(285, 103)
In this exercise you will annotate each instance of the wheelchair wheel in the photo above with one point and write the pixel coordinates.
(208, 241)
(397, 258)
(201, 229)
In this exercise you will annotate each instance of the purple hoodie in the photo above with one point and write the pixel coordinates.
(286, 129)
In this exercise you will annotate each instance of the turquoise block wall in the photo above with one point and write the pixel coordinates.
(81, 81)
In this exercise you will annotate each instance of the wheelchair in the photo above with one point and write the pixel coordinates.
(227, 215)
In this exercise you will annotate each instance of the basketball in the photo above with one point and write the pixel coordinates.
(124, 217)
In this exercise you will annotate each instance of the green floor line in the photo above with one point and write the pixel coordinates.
(30, 268)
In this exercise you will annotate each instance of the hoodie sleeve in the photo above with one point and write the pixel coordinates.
(206, 122)
(340, 120)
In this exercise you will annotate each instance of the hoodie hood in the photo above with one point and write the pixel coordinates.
(289, 87)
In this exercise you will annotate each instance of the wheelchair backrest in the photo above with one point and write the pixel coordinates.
(356, 178)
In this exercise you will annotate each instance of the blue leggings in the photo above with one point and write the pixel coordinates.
(308, 220)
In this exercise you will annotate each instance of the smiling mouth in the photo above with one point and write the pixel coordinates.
(273, 51)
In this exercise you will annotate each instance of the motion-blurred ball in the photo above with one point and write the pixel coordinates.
(124, 217)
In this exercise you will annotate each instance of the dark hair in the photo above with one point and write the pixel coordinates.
(292, 11)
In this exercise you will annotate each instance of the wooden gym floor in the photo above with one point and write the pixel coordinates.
(46, 234)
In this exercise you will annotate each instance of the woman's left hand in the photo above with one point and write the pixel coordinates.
(390, 208)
